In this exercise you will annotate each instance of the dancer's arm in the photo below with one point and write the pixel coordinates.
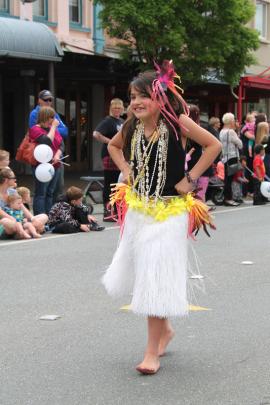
(115, 149)
(210, 144)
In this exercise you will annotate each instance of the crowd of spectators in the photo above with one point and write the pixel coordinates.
(52, 210)
(245, 147)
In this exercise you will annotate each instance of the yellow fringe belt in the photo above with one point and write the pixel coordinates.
(124, 198)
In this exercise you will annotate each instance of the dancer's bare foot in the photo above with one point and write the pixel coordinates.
(36, 235)
(149, 365)
(165, 339)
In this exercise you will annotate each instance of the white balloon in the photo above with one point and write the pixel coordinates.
(44, 172)
(43, 153)
(265, 189)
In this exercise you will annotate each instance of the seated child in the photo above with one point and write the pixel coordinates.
(238, 180)
(14, 209)
(4, 159)
(25, 193)
(39, 221)
(71, 216)
(220, 170)
(258, 175)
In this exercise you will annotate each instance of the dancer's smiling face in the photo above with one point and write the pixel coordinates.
(142, 106)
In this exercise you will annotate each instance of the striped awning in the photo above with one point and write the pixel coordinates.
(28, 40)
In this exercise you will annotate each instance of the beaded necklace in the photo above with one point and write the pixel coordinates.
(142, 153)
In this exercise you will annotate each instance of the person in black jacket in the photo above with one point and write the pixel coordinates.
(104, 132)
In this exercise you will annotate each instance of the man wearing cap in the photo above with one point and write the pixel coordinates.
(45, 99)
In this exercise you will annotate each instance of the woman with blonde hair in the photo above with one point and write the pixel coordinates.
(103, 133)
(262, 137)
(231, 144)
(262, 133)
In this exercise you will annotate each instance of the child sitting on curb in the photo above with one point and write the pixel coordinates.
(39, 221)
(14, 209)
(71, 216)
(25, 193)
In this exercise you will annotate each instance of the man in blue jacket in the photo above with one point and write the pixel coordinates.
(45, 99)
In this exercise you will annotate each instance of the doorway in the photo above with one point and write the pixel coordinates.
(73, 107)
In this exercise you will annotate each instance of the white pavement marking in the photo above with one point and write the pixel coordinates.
(236, 209)
(110, 228)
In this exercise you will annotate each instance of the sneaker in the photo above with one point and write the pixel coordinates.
(240, 201)
(94, 226)
(231, 203)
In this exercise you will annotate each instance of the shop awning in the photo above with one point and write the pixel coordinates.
(260, 82)
(256, 82)
(28, 40)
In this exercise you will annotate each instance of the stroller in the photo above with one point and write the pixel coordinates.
(215, 190)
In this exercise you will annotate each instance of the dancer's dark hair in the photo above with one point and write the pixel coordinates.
(143, 84)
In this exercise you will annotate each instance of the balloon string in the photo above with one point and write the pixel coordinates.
(63, 163)
(64, 157)
(66, 164)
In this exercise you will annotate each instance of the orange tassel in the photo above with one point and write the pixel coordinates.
(117, 199)
(199, 217)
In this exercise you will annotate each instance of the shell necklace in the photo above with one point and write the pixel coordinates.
(141, 153)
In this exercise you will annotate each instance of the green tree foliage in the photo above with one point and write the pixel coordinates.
(199, 35)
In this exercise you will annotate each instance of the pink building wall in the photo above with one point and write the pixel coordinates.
(72, 39)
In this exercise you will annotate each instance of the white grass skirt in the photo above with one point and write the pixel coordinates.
(151, 263)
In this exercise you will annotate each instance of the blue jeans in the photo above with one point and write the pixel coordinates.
(43, 196)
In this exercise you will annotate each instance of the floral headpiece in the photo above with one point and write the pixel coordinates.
(165, 80)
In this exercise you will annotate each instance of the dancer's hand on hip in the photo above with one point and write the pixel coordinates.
(184, 187)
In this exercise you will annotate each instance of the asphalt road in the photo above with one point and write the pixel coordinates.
(220, 356)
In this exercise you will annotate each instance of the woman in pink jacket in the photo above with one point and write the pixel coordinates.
(45, 132)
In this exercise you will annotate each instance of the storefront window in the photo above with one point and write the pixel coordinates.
(75, 11)
(4, 6)
(73, 127)
(40, 9)
(84, 128)
(31, 102)
(60, 106)
(261, 18)
(260, 106)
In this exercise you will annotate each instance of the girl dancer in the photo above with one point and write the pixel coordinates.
(151, 259)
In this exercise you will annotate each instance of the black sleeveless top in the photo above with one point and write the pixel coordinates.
(175, 169)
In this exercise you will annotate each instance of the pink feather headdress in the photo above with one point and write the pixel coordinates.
(165, 80)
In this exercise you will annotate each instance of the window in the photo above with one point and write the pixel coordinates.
(40, 9)
(261, 18)
(75, 9)
(4, 6)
